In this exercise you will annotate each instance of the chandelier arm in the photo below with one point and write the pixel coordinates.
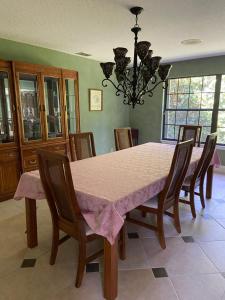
(139, 71)
(125, 87)
(139, 77)
(126, 101)
(143, 91)
(152, 89)
(118, 90)
(154, 79)
(127, 78)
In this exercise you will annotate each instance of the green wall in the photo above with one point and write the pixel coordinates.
(114, 114)
(148, 118)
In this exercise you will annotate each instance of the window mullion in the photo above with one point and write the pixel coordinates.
(216, 103)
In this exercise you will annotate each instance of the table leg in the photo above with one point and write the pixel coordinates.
(110, 270)
(209, 182)
(31, 222)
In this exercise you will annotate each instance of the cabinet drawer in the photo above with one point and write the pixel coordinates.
(8, 156)
(57, 148)
(29, 152)
(30, 162)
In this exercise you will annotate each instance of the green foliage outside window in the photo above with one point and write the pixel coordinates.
(191, 100)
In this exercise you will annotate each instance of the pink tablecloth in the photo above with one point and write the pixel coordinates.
(110, 185)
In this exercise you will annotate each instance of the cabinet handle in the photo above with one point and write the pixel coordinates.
(11, 154)
(14, 108)
(33, 161)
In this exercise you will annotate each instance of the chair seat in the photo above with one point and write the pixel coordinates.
(153, 202)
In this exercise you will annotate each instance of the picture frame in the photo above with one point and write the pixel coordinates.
(95, 100)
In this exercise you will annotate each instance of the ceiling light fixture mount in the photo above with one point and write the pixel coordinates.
(191, 42)
(140, 79)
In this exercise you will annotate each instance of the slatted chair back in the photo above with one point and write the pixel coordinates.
(187, 132)
(82, 145)
(57, 182)
(178, 170)
(123, 138)
(206, 157)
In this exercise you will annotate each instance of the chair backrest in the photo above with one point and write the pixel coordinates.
(57, 182)
(206, 157)
(177, 173)
(123, 138)
(82, 145)
(187, 132)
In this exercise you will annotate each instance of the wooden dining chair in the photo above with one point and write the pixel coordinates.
(82, 145)
(123, 138)
(66, 215)
(187, 132)
(169, 196)
(197, 179)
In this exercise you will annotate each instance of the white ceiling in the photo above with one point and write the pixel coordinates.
(98, 26)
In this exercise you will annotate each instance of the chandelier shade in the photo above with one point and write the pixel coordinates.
(146, 73)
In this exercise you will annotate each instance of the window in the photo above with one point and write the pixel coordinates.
(221, 114)
(193, 100)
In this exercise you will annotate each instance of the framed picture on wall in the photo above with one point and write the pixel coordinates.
(95, 100)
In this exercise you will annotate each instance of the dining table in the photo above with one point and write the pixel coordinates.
(107, 187)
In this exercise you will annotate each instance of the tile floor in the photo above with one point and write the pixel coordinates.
(191, 268)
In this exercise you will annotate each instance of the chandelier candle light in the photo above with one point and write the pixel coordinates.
(140, 79)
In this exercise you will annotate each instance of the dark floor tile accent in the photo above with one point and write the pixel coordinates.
(94, 267)
(28, 263)
(188, 239)
(159, 272)
(133, 235)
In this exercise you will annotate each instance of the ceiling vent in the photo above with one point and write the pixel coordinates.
(83, 54)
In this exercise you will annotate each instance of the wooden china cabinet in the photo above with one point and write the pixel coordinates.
(9, 150)
(43, 112)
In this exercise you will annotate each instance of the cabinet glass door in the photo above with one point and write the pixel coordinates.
(6, 115)
(70, 105)
(30, 107)
(53, 107)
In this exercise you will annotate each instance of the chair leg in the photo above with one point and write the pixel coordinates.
(185, 193)
(81, 263)
(122, 243)
(161, 235)
(55, 244)
(176, 218)
(192, 203)
(201, 190)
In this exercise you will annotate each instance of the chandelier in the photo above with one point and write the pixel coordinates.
(133, 82)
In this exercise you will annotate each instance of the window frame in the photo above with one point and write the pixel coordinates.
(215, 110)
